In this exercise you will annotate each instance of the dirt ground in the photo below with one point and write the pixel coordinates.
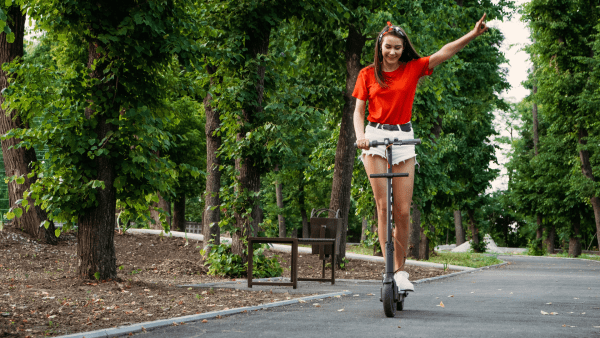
(40, 295)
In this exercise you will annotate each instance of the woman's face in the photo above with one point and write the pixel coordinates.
(391, 47)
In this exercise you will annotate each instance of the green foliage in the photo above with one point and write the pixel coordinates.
(372, 240)
(479, 247)
(222, 262)
(535, 247)
(551, 182)
(134, 46)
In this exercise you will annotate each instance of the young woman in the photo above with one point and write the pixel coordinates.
(389, 84)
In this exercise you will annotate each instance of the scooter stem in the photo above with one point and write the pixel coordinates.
(389, 244)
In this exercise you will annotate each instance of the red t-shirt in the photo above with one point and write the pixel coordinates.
(392, 105)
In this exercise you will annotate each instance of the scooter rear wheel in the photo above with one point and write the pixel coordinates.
(389, 306)
(400, 305)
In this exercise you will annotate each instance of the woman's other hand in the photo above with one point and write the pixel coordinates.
(363, 144)
(480, 26)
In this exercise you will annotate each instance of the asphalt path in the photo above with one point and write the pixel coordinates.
(504, 302)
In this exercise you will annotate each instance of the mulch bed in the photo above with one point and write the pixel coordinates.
(41, 296)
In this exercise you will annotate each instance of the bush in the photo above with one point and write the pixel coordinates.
(536, 247)
(222, 262)
(479, 247)
(371, 241)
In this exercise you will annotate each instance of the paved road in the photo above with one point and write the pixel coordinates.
(502, 302)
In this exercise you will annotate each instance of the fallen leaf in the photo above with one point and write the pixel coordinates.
(317, 305)
(441, 304)
(399, 327)
(450, 296)
(204, 321)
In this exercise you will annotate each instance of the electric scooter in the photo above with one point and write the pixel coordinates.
(390, 296)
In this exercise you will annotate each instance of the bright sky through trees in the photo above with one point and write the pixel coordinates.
(516, 37)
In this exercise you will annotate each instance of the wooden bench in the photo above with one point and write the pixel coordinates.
(294, 264)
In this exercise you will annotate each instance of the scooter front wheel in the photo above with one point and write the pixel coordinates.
(389, 305)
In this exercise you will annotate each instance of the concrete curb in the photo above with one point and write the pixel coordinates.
(139, 327)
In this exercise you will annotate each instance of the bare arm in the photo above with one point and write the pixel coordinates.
(359, 124)
(455, 46)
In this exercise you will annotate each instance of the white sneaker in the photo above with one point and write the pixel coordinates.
(401, 278)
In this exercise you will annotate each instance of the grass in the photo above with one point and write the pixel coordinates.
(472, 260)
(584, 256)
(359, 249)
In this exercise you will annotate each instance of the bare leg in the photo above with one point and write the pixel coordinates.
(402, 193)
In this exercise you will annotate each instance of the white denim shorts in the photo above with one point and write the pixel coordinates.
(399, 153)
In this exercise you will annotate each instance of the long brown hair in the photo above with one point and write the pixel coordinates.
(409, 53)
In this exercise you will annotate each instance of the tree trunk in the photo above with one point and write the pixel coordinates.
(586, 169)
(279, 198)
(95, 236)
(179, 214)
(423, 244)
(374, 230)
(212, 203)
(365, 227)
(505, 231)
(248, 167)
(155, 214)
(302, 201)
(473, 228)
(550, 236)
(280, 218)
(575, 240)
(536, 140)
(458, 227)
(414, 232)
(534, 112)
(345, 151)
(17, 160)
(539, 232)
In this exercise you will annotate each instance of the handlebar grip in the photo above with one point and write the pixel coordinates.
(398, 142)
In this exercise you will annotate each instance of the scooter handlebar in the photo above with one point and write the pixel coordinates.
(396, 142)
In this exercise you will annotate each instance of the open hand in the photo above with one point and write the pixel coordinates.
(480, 26)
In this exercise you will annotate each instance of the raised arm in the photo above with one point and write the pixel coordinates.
(455, 46)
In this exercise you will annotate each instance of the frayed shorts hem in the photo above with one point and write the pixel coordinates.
(394, 160)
